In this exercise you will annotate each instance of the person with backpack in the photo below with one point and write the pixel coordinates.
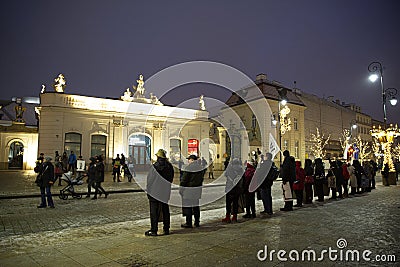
(267, 172)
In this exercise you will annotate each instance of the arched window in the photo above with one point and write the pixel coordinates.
(73, 143)
(98, 145)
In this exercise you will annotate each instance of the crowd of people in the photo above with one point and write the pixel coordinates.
(339, 180)
(244, 183)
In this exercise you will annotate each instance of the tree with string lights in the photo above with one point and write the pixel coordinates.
(319, 143)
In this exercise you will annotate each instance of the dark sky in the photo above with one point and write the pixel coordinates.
(102, 46)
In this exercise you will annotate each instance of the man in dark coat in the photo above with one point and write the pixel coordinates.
(288, 175)
(99, 177)
(158, 189)
(190, 190)
(267, 173)
(45, 181)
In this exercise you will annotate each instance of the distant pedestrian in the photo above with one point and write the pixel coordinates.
(132, 165)
(233, 189)
(64, 160)
(249, 196)
(99, 176)
(72, 162)
(385, 174)
(211, 169)
(226, 162)
(190, 190)
(319, 180)
(91, 174)
(58, 168)
(375, 169)
(116, 168)
(45, 180)
(298, 185)
(159, 179)
(309, 181)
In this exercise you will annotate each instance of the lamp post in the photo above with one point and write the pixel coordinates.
(386, 135)
(376, 70)
(283, 120)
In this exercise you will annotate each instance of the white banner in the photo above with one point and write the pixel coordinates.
(273, 146)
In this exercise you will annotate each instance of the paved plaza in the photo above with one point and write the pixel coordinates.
(110, 232)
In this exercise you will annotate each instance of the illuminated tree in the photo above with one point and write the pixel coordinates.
(319, 143)
(396, 152)
(344, 139)
(364, 148)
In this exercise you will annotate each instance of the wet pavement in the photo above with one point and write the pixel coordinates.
(110, 232)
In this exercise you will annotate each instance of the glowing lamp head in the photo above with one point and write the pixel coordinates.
(373, 77)
(283, 102)
(393, 101)
(354, 126)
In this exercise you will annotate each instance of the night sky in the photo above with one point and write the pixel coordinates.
(102, 46)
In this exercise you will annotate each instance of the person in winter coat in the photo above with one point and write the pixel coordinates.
(319, 178)
(352, 179)
(190, 189)
(72, 162)
(288, 175)
(249, 196)
(346, 177)
(267, 172)
(359, 171)
(99, 177)
(91, 180)
(45, 180)
(158, 188)
(338, 171)
(116, 172)
(309, 181)
(233, 189)
(298, 185)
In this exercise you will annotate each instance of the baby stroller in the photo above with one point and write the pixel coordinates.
(69, 188)
(127, 172)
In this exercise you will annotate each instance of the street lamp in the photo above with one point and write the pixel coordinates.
(283, 120)
(376, 70)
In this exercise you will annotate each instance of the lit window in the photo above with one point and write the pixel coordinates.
(296, 149)
(285, 145)
(98, 145)
(295, 124)
(73, 143)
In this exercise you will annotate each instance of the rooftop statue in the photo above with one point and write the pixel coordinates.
(139, 88)
(127, 96)
(43, 89)
(202, 105)
(60, 83)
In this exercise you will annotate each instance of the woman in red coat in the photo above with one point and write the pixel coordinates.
(298, 185)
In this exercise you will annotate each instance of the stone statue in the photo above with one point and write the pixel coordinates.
(154, 100)
(202, 105)
(43, 89)
(19, 112)
(60, 83)
(139, 88)
(127, 96)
